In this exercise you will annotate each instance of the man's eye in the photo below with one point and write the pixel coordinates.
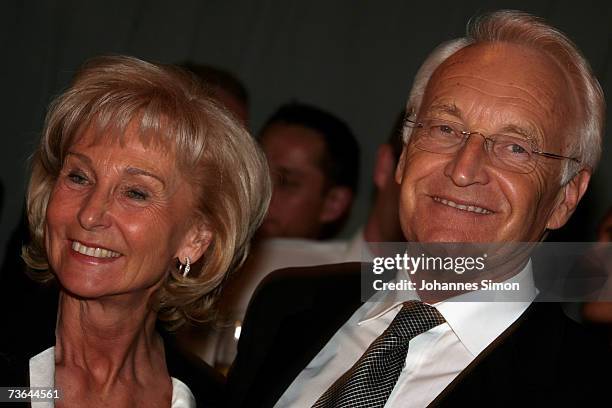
(136, 194)
(77, 178)
(282, 181)
(288, 183)
(445, 129)
(512, 149)
(517, 149)
(443, 132)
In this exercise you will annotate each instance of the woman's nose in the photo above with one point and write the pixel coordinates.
(94, 210)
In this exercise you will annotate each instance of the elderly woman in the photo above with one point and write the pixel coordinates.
(144, 194)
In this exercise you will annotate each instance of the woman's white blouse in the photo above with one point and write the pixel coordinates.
(42, 374)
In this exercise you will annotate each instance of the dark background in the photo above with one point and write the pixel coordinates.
(353, 58)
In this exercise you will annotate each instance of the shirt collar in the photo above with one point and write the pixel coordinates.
(42, 369)
(476, 323)
(383, 302)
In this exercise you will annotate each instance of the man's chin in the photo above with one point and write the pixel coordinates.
(457, 237)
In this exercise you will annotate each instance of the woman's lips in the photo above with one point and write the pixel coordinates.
(95, 252)
(463, 207)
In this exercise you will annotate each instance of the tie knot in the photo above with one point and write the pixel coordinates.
(415, 318)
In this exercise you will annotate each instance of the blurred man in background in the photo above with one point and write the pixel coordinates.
(314, 164)
(225, 87)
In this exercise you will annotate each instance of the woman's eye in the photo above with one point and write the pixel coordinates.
(136, 194)
(77, 178)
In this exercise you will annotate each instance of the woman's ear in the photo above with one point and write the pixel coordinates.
(195, 243)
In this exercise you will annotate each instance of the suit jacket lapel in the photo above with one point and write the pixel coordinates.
(445, 396)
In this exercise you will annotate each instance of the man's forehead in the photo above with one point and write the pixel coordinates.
(512, 74)
(290, 134)
(512, 125)
(508, 62)
(294, 147)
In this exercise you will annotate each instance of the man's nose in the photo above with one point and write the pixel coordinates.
(94, 210)
(468, 165)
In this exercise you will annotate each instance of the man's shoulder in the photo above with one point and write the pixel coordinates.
(545, 324)
(544, 357)
(292, 315)
(277, 253)
(544, 339)
(547, 335)
(310, 281)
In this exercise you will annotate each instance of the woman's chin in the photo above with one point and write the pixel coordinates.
(84, 284)
(84, 289)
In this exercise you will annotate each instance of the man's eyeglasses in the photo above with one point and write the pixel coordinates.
(506, 152)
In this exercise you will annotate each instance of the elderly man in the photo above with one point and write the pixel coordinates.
(503, 131)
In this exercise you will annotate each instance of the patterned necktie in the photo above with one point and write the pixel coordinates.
(369, 382)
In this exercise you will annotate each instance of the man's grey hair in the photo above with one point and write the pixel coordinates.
(517, 27)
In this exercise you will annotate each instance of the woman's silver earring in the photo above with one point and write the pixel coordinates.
(185, 268)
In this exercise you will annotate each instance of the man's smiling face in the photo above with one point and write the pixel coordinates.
(463, 197)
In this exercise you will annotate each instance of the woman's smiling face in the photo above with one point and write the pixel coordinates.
(118, 217)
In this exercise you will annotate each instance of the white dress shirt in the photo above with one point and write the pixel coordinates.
(434, 358)
(42, 374)
(357, 249)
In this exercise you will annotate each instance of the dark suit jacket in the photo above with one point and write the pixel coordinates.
(543, 359)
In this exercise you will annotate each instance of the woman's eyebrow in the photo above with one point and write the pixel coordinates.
(135, 171)
(79, 156)
(132, 171)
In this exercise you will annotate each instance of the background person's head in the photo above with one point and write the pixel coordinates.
(512, 75)
(383, 223)
(314, 163)
(224, 87)
(604, 229)
(137, 158)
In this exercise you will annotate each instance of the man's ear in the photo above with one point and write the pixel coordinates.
(384, 168)
(337, 202)
(399, 171)
(195, 243)
(568, 199)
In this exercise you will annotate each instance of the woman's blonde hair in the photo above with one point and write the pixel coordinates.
(214, 152)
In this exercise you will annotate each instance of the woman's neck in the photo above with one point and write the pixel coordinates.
(108, 339)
